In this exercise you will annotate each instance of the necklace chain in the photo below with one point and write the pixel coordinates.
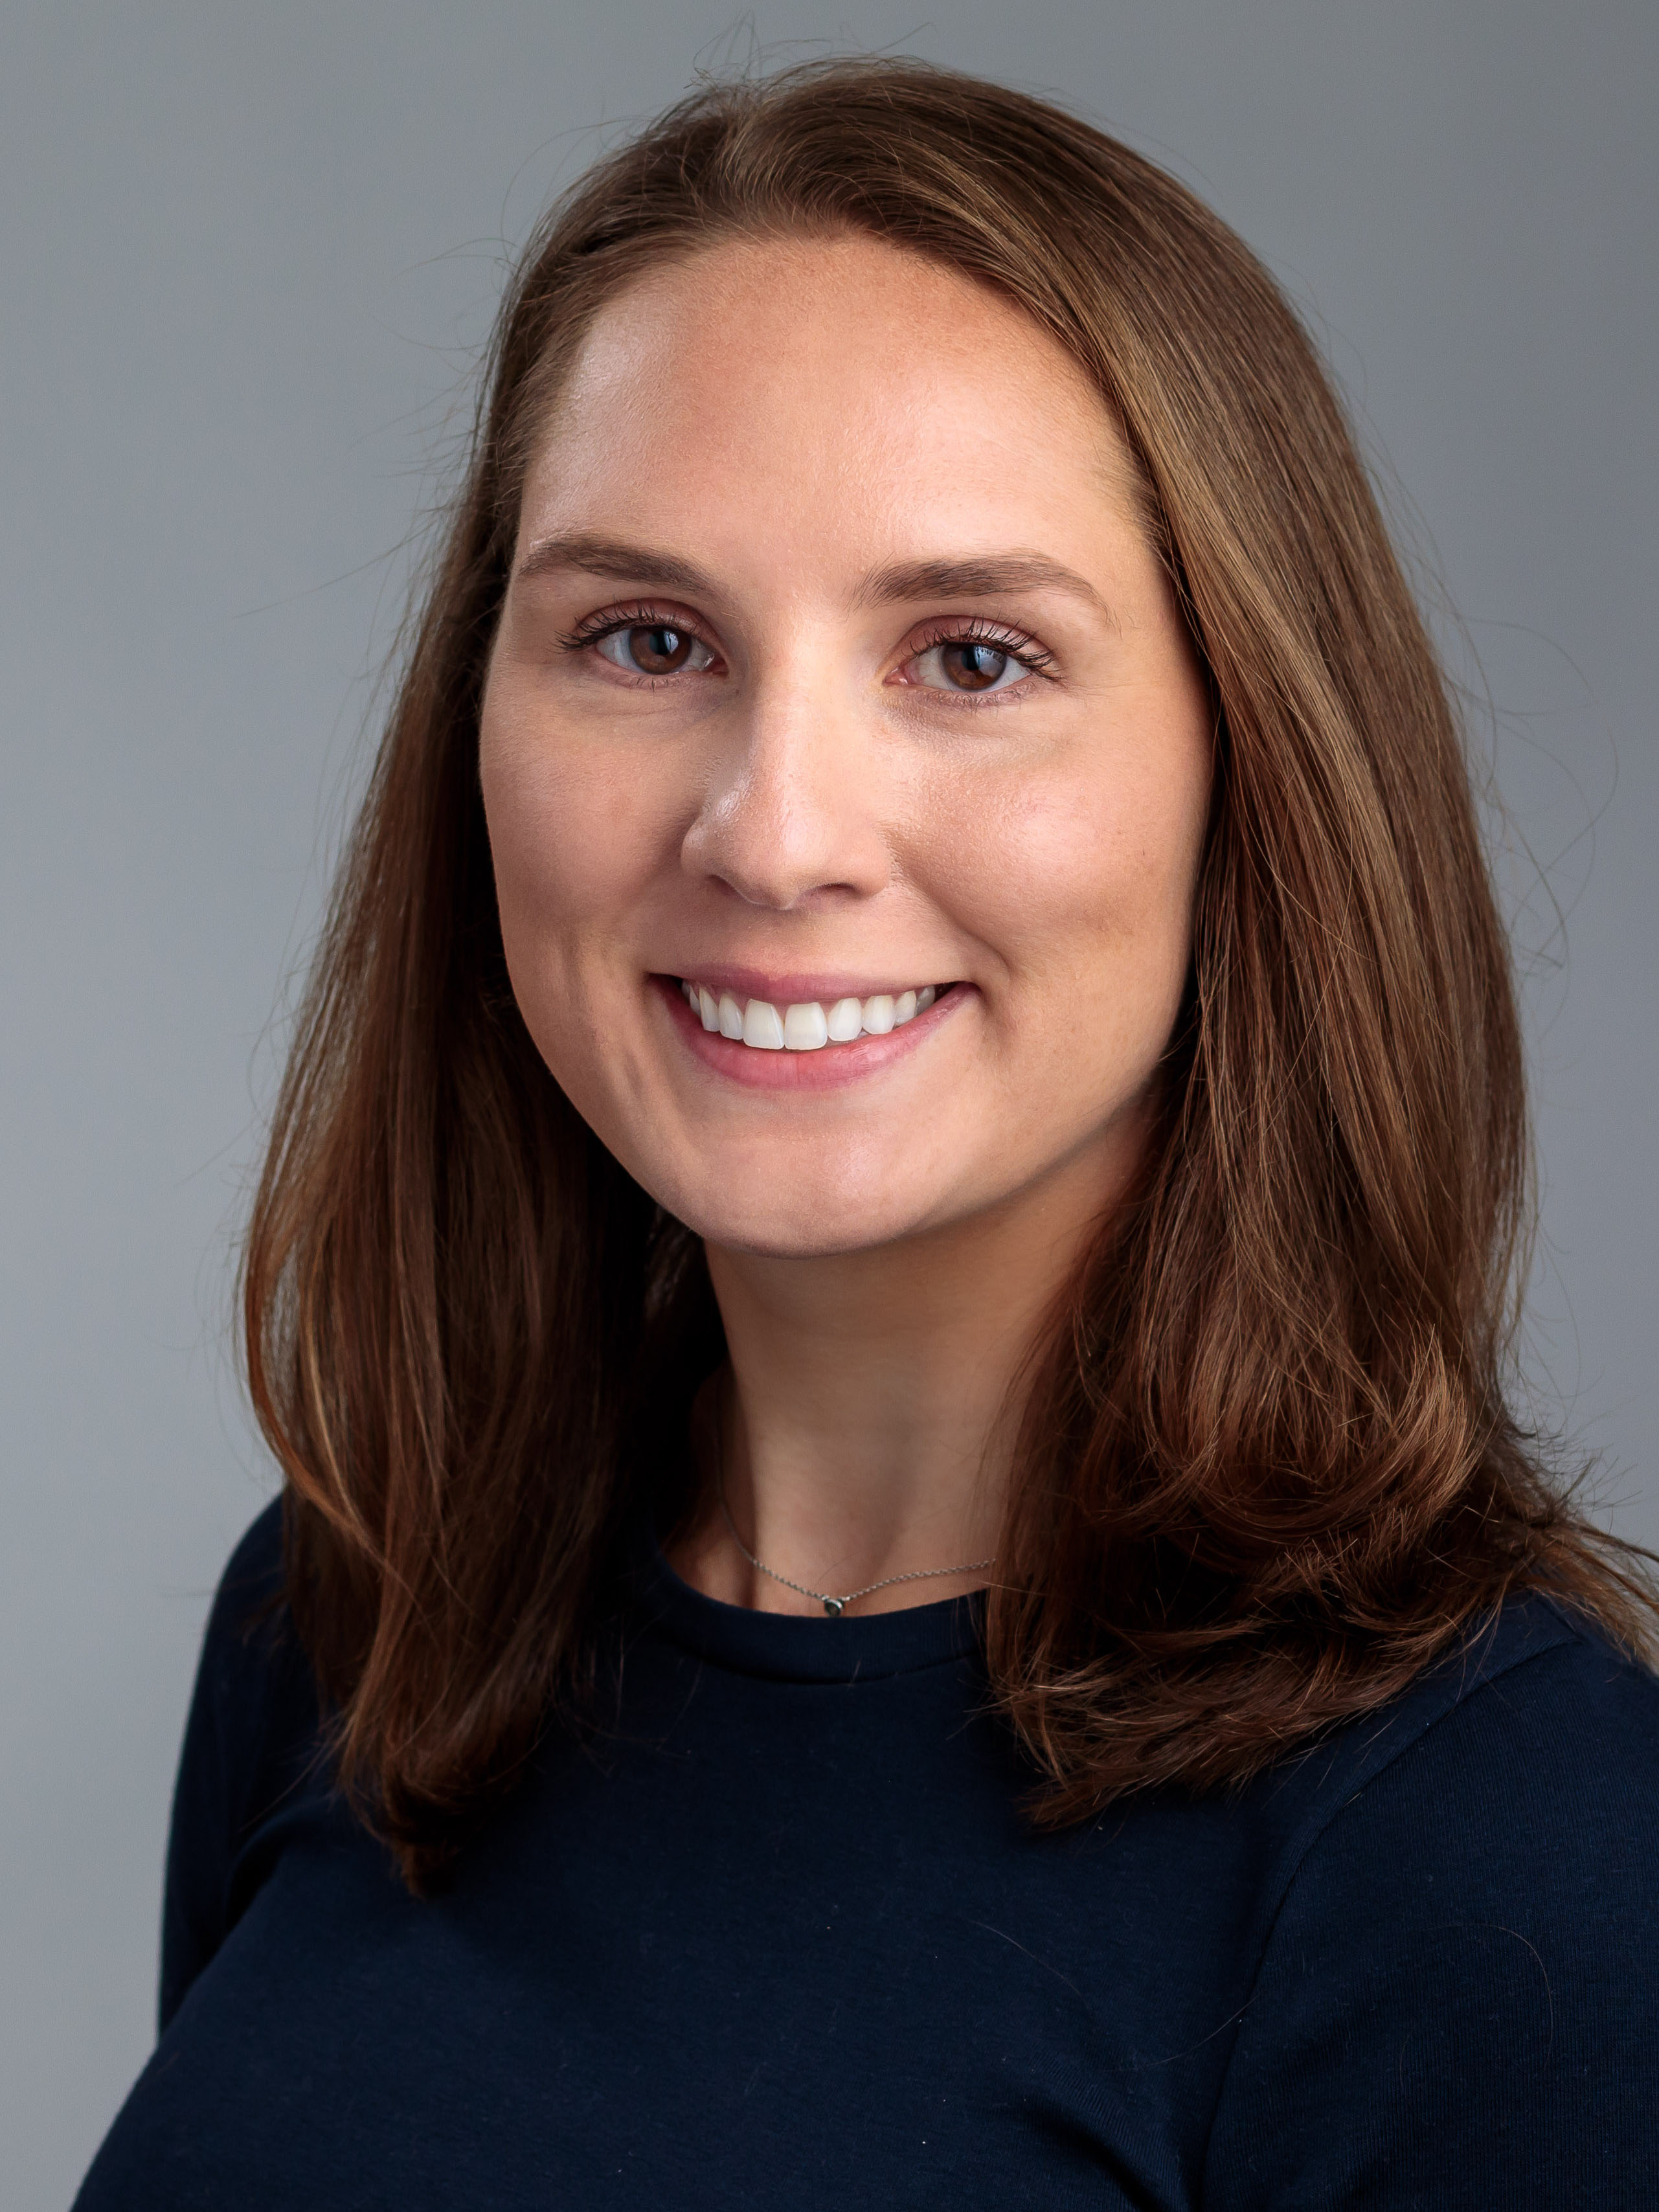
(834, 1607)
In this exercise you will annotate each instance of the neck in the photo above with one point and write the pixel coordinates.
(866, 1423)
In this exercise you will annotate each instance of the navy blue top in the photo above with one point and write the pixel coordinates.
(781, 1936)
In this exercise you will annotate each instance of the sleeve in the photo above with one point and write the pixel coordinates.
(1459, 2002)
(226, 1737)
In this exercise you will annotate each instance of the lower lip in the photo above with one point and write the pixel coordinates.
(829, 1068)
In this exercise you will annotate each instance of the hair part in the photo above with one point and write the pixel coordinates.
(1266, 1470)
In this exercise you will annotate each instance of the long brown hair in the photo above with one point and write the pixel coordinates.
(1267, 1469)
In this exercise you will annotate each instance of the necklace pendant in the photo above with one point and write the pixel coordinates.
(834, 1607)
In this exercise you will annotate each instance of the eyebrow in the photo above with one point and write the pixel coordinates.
(988, 572)
(612, 557)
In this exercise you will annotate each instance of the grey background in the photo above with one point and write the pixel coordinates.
(247, 256)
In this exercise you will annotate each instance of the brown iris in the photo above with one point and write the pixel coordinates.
(971, 666)
(658, 648)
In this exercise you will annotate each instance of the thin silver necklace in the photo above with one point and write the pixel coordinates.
(834, 1607)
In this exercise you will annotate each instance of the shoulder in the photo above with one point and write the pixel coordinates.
(1458, 1984)
(1534, 1710)
(1518, 1774)
(1536, 1725)
(250, 1661)
(251, 1738)
(254, 1675)
(252, 1584)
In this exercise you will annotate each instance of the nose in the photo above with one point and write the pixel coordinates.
(790, 817)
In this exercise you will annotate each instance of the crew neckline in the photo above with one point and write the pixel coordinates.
(788, 1647)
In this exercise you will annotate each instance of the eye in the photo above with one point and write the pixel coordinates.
(969, 664)
(655, 649)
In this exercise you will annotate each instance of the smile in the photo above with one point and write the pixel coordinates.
(807, 1027)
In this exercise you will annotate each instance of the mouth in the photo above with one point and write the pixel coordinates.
(806, 1025)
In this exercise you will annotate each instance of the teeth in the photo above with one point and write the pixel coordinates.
(761, 1025)
(805, 1028)
(808, 1027)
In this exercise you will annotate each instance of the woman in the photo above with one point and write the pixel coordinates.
(883, 1281)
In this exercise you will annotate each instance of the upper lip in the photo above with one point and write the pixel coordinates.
(802, 988)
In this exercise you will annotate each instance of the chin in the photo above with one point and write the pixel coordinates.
(789, 1226)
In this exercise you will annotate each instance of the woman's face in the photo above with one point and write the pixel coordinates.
(837, 682)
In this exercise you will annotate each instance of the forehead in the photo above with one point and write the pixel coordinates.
(842, 383)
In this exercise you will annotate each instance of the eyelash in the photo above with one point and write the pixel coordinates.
(593, 627)
(1037, 659)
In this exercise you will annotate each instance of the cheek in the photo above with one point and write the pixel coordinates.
(1080, 885)
(575, 832)
(575, 841)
